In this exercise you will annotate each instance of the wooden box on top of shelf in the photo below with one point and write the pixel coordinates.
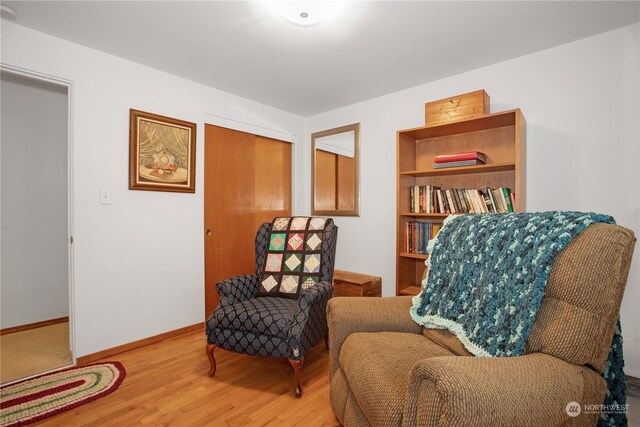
(501, 136)
(459, 107)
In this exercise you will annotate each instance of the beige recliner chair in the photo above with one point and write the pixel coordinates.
(386, 370)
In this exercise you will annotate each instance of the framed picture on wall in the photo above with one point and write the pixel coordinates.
(162, 153)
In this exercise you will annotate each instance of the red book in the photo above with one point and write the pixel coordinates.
(471, 155)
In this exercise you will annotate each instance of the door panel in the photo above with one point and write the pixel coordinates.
(325, 190)
(228, 201)
(272, 179)
(247, 182)
(346, 183)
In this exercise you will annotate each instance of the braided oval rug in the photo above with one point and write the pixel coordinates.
(37, 398)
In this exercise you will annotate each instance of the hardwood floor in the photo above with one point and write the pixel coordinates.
(167, 384)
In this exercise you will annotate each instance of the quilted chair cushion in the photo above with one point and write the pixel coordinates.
(294, 258)
(266, 316)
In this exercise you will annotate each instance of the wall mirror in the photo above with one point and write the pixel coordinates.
(335, 171)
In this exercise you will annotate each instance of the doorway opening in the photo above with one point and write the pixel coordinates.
(35, 225)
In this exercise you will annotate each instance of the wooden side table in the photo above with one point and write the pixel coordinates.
(349, 284)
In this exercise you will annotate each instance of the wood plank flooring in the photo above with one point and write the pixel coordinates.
(167, 384)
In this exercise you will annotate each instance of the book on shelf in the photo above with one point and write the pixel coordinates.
(418, 234)
(497, 196)
(433, 199)
(458, 157)
(423, 199)
(487, 199)
(451, 207)
(458, 164)
(507, 197)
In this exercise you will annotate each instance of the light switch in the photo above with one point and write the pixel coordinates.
(105, 197)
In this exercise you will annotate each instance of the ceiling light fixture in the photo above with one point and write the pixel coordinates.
(306, 13)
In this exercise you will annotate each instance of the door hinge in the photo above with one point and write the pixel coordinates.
(71, 240)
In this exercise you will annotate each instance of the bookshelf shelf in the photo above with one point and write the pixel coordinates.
(501, 136)
(410, 290)
(439, 216)
(414, 256)
(496, 167)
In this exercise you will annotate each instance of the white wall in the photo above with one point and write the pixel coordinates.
(34, 201)
(139, 267)
(580, 101)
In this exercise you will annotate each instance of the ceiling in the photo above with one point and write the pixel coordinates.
(366, 49)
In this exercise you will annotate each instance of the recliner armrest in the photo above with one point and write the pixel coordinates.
(530, 390)
(317, 292)
(347, 315)
(237, 289)
(310, 320)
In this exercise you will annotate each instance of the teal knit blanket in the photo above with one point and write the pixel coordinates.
(486, 279)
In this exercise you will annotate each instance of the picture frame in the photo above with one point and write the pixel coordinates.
(162, 153)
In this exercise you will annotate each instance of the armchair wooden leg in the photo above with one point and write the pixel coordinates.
(212, 359)
(297, 373)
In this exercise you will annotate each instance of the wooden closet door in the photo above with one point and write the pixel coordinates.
(247, 182)
(272, 196)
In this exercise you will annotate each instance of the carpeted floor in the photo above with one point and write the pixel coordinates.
(34, 351)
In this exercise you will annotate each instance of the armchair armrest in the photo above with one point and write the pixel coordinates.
(530, 390)
(237, 289)
(309, 323)
(349, 315)
(317, 292)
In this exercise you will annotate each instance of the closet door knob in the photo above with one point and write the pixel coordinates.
(207, 232)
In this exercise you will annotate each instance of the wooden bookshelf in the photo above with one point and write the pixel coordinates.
(501, 136)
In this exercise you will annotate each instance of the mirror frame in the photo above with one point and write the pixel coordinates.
(355, 127)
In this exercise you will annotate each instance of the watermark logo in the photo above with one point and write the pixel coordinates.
(610, 409)
(573, 409)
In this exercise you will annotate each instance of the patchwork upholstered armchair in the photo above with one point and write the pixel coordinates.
(388, 370)
(278, 312)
